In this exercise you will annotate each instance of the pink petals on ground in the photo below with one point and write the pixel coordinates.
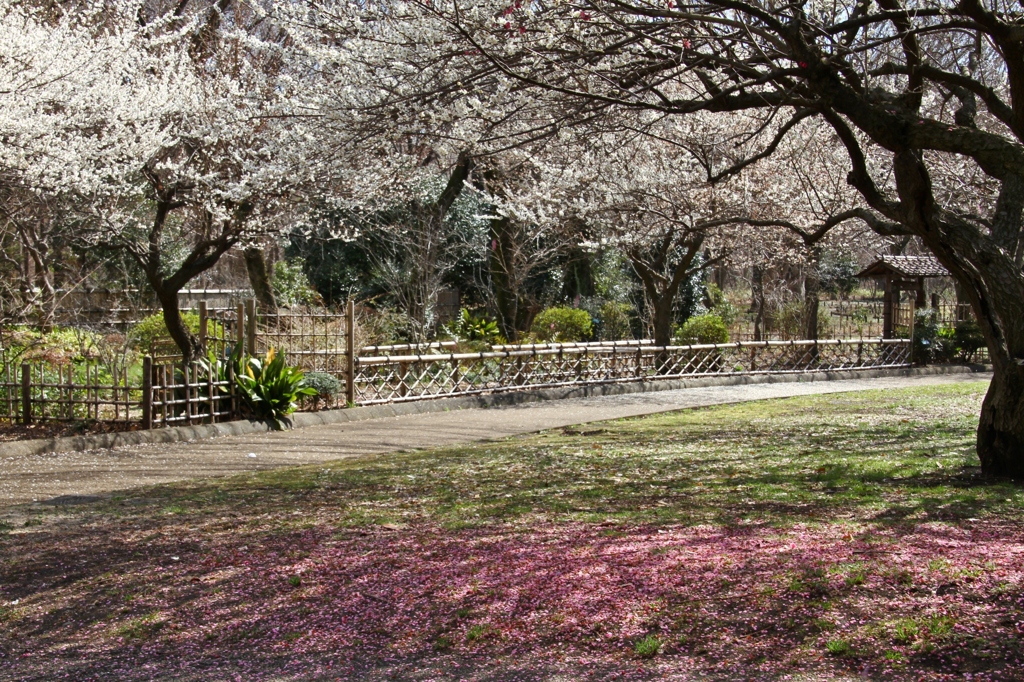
(756, 601)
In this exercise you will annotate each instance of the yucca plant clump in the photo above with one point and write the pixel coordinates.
(269, 388)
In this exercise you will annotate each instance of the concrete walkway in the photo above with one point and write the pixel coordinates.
(42, 478)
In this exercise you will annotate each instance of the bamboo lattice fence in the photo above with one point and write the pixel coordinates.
(167, 393)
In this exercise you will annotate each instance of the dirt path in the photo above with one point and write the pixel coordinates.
(59, 478)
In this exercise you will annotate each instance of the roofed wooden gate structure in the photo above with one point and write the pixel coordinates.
(902, 273)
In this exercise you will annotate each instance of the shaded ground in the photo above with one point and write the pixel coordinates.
(9, 432)
(832, 537)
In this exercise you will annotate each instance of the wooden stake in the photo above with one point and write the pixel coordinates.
(26, 393)
(250, 313)
(240, 328)
(147, 392)
(203, 324)
(350, 353)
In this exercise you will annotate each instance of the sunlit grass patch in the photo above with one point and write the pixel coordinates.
(838, 647)
(890, 456)
(141, 627)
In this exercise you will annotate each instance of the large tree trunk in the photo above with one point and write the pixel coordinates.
(500, 263)
(757, 302)
(188, 343)
(259, 279)
(812, 294)
(1001, 427)
(662, 318)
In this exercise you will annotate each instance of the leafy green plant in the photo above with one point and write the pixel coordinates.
(960, 342)
(945, 349)
(648, 647)
(469, 327)
(905, 631)
(721, 306)
(270, 388)
(837, 272)
(477, 632)
(707, 328)
(59, 345)
(563, 324)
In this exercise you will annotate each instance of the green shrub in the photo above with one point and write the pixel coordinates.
(838, 647)
(615, 321)
(386, 326)
(926, 332)
(837, 272)
(564, 325)
(721, 306)
(945, 348)
(325, 385)
(151, 335)
(951, 343)
(789, 319)
(707, 328)
(270, 388)
(969, 339)
(60, 345)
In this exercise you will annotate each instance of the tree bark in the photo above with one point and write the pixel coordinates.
(1001, 426)
(757, 291)
(812, 294)
(204, 255)
(662, 318)
(259, 279)
(506, 294)
(188, 343)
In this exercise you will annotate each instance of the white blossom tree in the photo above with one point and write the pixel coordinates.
(164, 131)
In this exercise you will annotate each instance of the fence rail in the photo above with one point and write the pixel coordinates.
(416, 377)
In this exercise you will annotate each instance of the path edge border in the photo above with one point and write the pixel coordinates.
(177, 434)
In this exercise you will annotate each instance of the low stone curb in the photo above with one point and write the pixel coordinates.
(104, 441)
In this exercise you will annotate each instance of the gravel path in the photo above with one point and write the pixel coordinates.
(70, 478)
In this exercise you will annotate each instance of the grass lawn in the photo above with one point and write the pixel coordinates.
(832, 537)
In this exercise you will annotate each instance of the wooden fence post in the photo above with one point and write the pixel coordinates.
(147, 392)
(350, 352)
(240, 328)
(186, 382)
(231, 390)
(26, 393)
(203, 324)
(250, 310)
(403, 373)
